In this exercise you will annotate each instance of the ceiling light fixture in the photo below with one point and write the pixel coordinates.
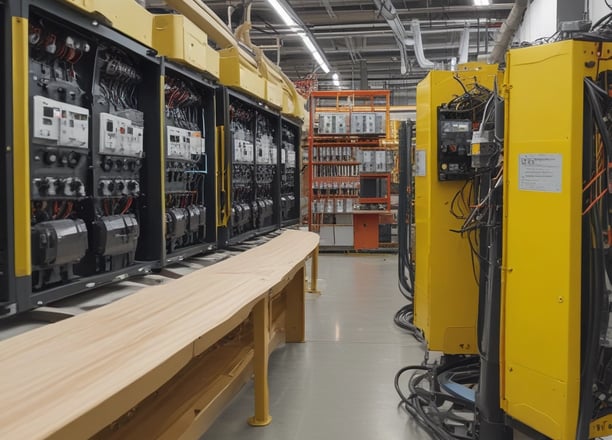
(482, 2)
(295, 25)
(336, 80)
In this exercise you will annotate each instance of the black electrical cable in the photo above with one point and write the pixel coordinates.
(594, 259)
(436, 411)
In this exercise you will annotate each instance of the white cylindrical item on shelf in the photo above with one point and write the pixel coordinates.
(339, 205)
(349, 205)
(329, 206)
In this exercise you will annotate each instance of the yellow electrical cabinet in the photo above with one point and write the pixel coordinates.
(445, 291)
(178, 39)
(542, 257)
(127, 17)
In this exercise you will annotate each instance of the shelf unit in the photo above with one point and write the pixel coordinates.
(346, 127)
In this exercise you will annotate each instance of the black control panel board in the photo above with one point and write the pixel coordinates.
(454, 141)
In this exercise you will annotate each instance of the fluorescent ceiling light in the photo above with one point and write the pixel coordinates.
(299, 29)
(284, 15)
(476, 2)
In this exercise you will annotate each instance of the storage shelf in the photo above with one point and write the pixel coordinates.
(372, 200)
(381, 174)
(336, 179)
(353, 144)
(335, 196)
(336, 162)
(362, 101)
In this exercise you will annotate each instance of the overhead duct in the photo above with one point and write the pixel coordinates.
(507, 31)
(418, 46)
(464, 45)
(389, 13)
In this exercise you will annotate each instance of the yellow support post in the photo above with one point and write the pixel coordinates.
(261, 334)
(21, 148)
(296, 316)
(314, 272)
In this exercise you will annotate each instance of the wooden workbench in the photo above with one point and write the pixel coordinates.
(163, 362)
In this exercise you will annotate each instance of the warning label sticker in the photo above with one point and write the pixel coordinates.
(420, 165)
(540, 172)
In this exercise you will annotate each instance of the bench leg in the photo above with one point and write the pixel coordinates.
(314, 271)
(295, 315)
(260, 363)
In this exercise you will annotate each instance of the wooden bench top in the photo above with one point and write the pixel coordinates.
(53, 378)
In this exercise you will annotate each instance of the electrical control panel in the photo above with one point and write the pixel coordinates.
(60, 124)
(242, 138)
(368, 123)
(454, 143)
(289, 173)
(87, 147)
(186, 161)
(120, 136)
(256, 151)
(59, 150)
(266, 160)
(178, 143)
(333, 123)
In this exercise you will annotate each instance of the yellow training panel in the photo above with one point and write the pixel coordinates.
(541, 285)
(446, 293)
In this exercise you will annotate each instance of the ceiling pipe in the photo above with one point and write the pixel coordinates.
(388, 12)
(464, 45)
(431, 23)
(230, 11)
(507, 31)
(418, 46)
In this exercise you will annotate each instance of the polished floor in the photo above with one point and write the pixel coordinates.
(339, 384)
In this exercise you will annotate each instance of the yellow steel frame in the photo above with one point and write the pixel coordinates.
(21, 148)
(446, 294)
(541, 274)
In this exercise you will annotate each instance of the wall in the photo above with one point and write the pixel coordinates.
(540, 21)
(598, 9)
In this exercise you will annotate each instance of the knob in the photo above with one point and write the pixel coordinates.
(121, 185)
(73, 159)
(43, 186)
(131, 185)
(107, 164)
(111, 186)
(50, 158)
(75, 185)
(59, 185)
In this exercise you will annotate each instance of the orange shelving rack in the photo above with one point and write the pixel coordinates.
(347, 155)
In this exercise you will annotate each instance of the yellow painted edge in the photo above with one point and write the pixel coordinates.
(21, 144)
(222, 178)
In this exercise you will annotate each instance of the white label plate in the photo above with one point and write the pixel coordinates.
(540, 172)
(420, 163)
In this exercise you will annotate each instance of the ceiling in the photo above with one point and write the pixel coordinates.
(359, 43)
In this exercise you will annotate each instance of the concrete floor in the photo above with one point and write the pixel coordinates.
(339, 384)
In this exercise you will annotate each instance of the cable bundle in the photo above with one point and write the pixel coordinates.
(440, 414)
